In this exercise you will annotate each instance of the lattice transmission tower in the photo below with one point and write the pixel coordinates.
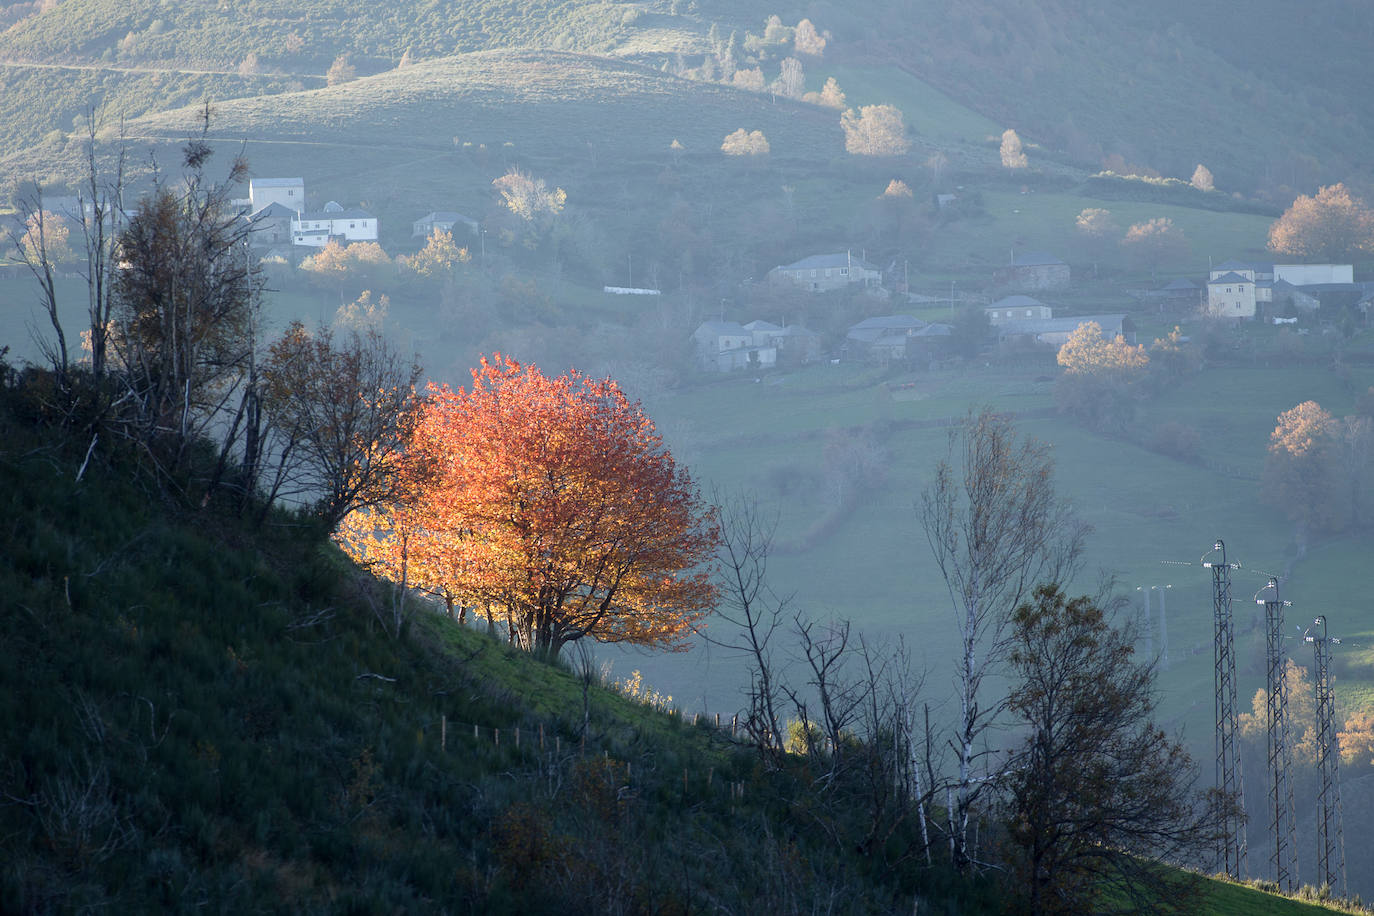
(1330, 849)
(1229, 780)
(1282, 811)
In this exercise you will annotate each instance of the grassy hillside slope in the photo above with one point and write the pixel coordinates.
(194, 713)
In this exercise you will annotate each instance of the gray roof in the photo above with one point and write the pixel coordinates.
(273, 210)
(340, 213)
(839, 259)
(722, 327)
(1034, 259)
(1053, 325)
(889, 322)
(760, 325)
(1181, 283)
(1311, 288)
(1231, 277)
(934, 330)
(1014, 302)
(1245, 265)
(446, 216)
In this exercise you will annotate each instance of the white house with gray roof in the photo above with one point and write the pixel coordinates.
(314, 230)
(723, 346)
(824, 272)
(289, 192)
(1233, 294)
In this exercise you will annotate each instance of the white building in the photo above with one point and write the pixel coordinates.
(333, 222)
(1232, 295)
(724, 346)
(1312, 274)
(289, 192)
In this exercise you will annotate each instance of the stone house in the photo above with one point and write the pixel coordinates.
(271, 226)
(447, 220)
(1056, 331)
(1034, 270)
(1017, 308)
(883, 338)
(824, 272)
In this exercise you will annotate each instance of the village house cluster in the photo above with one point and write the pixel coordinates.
(276, 209)
(1233, 291)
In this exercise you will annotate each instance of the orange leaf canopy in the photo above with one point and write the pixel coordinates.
(555, 499)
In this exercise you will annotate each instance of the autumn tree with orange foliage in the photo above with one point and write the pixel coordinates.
(1317, 470)
(553, 501)
(1333, 225)
(1102, 378)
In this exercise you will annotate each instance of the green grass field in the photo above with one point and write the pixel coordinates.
(1153, 517)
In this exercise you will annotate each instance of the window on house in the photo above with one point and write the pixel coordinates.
(844, 271)
(353, 225)
(1028, 314)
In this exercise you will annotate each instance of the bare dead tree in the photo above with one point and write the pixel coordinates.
(996, 529)
(32, 252)
(338, 411)
(755, 611)
(102, 208)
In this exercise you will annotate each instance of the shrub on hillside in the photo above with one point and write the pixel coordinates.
(1177, 440)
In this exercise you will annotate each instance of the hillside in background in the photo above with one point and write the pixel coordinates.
(1269, 101)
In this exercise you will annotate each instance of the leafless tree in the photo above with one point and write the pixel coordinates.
(996, 529)
(33, 253)
(755, 611)
(102, 203)
(337, 411)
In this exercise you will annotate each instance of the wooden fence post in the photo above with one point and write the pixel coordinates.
(443, 733)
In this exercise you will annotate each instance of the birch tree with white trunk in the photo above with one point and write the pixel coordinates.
(996, 529)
